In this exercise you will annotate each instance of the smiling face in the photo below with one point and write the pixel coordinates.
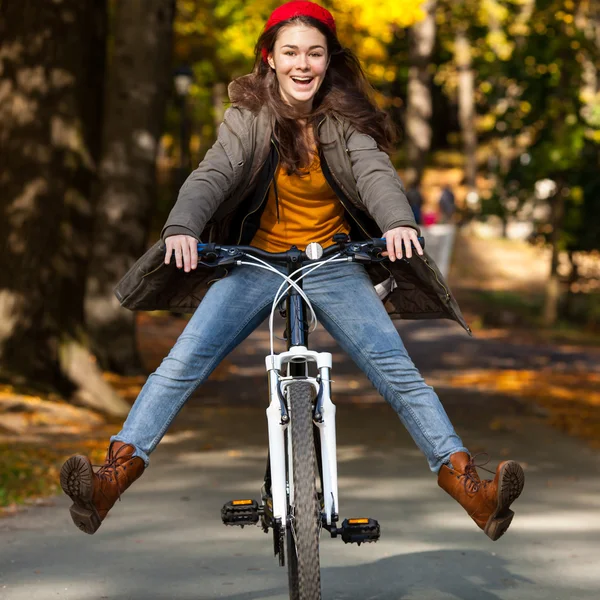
(300, 61)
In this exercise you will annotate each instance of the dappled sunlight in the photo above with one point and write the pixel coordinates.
(221, 457)
(571, 520)
(349, 453)
(498, 264)
(382, 488)
(434, 333)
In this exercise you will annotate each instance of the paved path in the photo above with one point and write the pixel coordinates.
(164, 540)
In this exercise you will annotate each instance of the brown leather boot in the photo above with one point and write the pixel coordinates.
(486, 501)
(94, 494)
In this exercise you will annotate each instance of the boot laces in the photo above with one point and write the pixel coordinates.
(109, 470)
(470, 475)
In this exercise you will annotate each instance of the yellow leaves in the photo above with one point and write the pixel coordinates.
(31, 456)
(486, 122)
(565, 17)
(363, 26)
(372, 49)
(525, 107)
(492, 11)
(240, 39)
(367, 27)
(485, 87)
(577, 194)
(376, 71)
(593, 135)
(499, 43)
(127, 387)
(376, 17)
(572, 399)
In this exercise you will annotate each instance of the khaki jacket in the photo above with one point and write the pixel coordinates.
(230, 184)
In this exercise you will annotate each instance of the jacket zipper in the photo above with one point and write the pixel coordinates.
(349, 213)
(342, 188)
(426, 261)
(154, 270)
(263, 199)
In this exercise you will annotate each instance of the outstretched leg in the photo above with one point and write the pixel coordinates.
(230, 311)
(351, 311)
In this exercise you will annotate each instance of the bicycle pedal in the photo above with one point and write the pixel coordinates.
(240, 512)
(358, 531)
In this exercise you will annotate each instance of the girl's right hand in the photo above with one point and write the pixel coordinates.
(186, 251)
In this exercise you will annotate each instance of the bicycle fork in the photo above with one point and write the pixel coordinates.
(278, 420)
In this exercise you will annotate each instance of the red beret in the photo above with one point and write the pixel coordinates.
(299, 9)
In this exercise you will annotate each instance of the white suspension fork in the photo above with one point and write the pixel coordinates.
(328, 447)
(277, 429)
(276, 449)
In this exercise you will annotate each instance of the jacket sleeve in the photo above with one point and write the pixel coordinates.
(215, 178)
(379, 186)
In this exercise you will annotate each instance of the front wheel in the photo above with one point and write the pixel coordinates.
(302, 540)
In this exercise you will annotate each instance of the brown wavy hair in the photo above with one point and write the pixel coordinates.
(345, 92)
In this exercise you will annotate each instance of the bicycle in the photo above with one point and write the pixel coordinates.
(300, 491)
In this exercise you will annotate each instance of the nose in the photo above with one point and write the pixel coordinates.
(303, 62)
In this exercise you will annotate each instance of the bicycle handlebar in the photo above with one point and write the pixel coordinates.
(215, 255)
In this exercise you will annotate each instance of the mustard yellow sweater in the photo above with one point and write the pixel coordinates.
(309, 211)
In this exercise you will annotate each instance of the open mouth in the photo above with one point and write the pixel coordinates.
(303, 81)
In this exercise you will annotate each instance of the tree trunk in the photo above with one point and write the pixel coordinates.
(466, 106)
(573, 279)
(51, 72)
(137, 85)
(418, 101)
(552, 298)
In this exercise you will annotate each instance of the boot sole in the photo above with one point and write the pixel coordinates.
(510, 486)
(76, 480)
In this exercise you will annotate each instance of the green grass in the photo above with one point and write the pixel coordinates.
(31, 470)
(27, 471)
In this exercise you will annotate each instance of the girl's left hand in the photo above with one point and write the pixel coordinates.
(401, 235)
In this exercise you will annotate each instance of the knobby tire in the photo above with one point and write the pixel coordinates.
(304, 572)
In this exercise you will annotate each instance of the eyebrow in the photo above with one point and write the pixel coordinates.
(296, 47)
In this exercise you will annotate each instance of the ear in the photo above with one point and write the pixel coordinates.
(271, 61)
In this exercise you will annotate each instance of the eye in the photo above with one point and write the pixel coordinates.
(316, 55)
(289, 53)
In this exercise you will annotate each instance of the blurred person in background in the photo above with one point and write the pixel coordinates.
(446, 204)
(415, 199)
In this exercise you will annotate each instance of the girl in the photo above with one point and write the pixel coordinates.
(300, 157)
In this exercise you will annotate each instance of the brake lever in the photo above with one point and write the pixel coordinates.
(212, 255)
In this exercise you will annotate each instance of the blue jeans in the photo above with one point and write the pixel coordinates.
(347, 306)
